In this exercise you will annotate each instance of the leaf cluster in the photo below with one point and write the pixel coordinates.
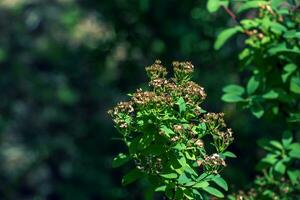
(271, 56)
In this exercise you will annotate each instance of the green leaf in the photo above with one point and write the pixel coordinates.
(229, 154)
(292, 34)
(188, 193)
(213, 191)
(220, 182)
(295, 150)
(249, 24)
(280, 167)
(287, 138)
(232, 98)
(234, 89)
(276, 3)
(250, 4)
(169, 176)
(291, 67)
(252, 84)
(272, 94)
(161, 188)
(294, 175)
(214, 5)
(257, 110)
(189, 184)
(183, 179)
(145, 141)
(265, 144)
(167, 131)
(179, 146)
(270, 159)
(190, 156)
(277, 28)
(181, 104)
(201, 184)
(294, 117)
(288, 70)
(202, 176)
(225, 35)
(282, 48)
(132, 176)
(197, 195)
(120, 160)
(295, 84)
(276, 144)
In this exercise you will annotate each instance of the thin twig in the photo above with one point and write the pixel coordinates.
(230, 13)
(233, 16)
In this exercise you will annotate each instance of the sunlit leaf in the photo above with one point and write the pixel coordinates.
(120, 160)
(225, 35)
(213, 191)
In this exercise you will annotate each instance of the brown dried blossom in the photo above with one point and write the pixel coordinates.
(213, 161)
(141, 97)
(121, 122)
(175, 138)
(158, 83)
(125, 107)
(183, 67)
(215, 119)
(199, 143)
(193, 92)
(156, 70)
(120, 112)
(178, 128)
(226, 137)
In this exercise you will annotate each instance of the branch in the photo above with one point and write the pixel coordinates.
(230, 13)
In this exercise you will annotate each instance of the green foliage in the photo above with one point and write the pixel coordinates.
(214, 5)
(280, 180)
(271, 56)
(225, 35)
(168, 136)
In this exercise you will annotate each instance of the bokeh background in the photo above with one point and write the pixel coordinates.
(64, 63)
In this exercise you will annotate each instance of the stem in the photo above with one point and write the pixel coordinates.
(230, 13)
(233, 16)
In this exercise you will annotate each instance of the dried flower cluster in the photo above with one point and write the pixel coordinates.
(263, 189)
(167, 131)
(213, 163)
(156, 70)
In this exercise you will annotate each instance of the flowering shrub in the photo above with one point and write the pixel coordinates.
(279, 177)
(272, 56)
(179, 147)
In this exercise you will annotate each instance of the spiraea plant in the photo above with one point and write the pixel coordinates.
(172, 141)
(271, 55)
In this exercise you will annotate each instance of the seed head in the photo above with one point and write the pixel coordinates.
(156, 70)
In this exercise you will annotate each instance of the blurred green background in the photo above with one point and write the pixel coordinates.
(64, 63)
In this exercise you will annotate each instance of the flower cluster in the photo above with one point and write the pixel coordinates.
(156, 70)
(276, 190)
(165, 128)
(222, 136)
(213, 163)
(121, 114)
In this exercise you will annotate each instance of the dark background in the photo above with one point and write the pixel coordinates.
(64, 63)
